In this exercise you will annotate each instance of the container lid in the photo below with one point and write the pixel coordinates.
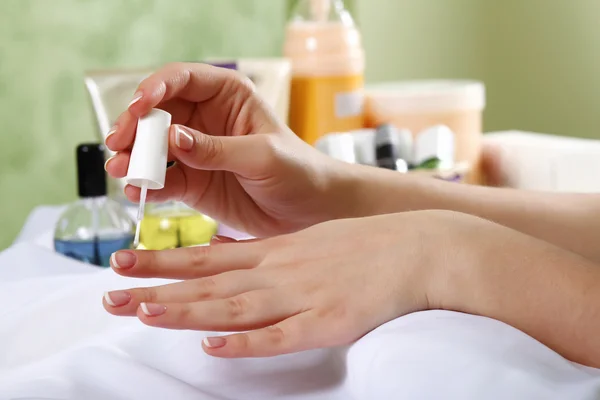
(322, 39)
(91, 177)
(147, 165)
(321, 11)
(427, 95)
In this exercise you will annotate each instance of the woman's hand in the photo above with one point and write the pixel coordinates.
(235, 161)
(324, 286)
(332, 283)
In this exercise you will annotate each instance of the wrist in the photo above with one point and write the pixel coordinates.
(455, 253)
(345, 196)
(361, 191)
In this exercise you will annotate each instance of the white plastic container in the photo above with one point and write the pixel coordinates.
(417, 105)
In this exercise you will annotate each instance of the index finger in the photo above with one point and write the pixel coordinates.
(175, 88)
(191, 82)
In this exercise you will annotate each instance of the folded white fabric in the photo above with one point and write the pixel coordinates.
(536, 161)
(57, 342)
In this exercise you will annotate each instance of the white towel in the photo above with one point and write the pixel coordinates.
(57, 342)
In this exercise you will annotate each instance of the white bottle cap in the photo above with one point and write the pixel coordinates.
(148, 163)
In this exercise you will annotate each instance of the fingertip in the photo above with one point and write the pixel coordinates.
(109, 308)
(117, 165)
(108, 140)
(218, 346)
(149, 94)
(182, 139)
(220, 239)
(138, 104)
(132, 193)
(122, 133)
(139, 313)
(143, 313)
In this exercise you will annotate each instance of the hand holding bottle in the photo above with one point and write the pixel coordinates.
(235, 161)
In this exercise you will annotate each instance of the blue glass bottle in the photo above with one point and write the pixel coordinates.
(95, 226)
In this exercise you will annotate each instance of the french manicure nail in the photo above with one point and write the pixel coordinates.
(123, 259)
(117, 299)
(107, 161)
(136, 97)
(183, 139)
(112, 131)
(216, 239)
(153, 310)
(214, 342)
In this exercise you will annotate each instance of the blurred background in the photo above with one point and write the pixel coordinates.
(539, 59)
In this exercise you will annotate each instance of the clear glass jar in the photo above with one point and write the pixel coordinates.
(174, 224)
(93, 228)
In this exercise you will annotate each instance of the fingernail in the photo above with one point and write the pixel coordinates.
(112, 131)
(183, 139)
(136, 97)
(214, 342)
(216, 239)
(107, 161)
(123, 259)
(117, 299)
(152, 310)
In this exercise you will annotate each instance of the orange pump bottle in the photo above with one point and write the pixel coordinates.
(328, 62)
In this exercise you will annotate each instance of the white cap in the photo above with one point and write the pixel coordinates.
(148, 163)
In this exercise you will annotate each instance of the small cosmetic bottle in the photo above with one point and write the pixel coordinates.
(95, 226)
(166, 225)
(393, 148)
(173, 224)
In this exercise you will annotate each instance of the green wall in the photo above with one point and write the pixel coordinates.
(540, 60)
(543, 65)
(45, 45)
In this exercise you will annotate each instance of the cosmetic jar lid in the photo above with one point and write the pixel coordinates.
(428, 95)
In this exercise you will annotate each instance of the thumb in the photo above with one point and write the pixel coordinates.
(244, 155)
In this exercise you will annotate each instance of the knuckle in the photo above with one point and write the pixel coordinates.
(243, 345)
(149, 295)
(184, 313)
(275, 336)
(240, 83)
(174, 66)
(238, 306)
(338, 312)
(212, 148)
(269, 147)
(310, 290)
(149, 259)
(270, 142)
(246, 86)
(199, 256)
(206, 288)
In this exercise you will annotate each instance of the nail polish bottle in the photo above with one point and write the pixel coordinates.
(174, 224)
(95, 226)
(165, 225)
